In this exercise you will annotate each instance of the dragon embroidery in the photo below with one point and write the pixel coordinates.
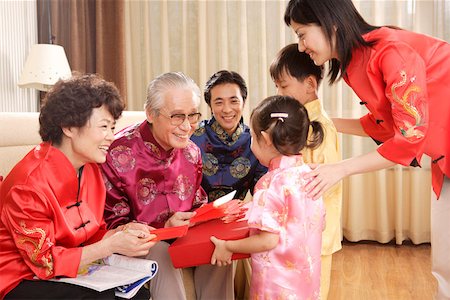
(46, 262)
(408, 130)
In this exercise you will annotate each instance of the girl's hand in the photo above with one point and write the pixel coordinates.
(179, 218)
(321, 178)
(221, 256)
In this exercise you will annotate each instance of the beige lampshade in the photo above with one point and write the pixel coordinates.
(45, 65)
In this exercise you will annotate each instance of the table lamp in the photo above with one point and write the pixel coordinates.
(45, 65)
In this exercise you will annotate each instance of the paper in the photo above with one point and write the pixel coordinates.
(169, 232)
(212, 210)
(115, 271)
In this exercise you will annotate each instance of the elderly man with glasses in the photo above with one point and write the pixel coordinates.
(153, 174)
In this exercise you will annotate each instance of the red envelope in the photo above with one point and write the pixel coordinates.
(169, 232)
(195, 248)
(213, 210)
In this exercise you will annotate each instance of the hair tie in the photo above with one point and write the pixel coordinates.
(279, 116)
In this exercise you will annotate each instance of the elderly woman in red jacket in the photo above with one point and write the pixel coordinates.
(52, 201)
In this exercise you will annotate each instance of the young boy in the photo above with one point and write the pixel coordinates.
(295, 74)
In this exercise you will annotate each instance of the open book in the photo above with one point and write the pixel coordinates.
(126, 274)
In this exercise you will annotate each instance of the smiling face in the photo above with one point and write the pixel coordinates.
(226, 106)
(313, 41)
(177, 100)
(90, 143)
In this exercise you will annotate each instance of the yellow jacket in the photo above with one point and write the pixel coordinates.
(327, 152)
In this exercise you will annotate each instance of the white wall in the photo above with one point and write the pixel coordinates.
(18, 32)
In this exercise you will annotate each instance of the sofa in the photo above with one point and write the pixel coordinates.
(20, 133)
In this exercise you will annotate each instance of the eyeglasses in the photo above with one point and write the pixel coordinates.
(178, 119)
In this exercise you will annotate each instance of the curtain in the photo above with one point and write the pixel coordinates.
(200, 38)
(91, 32)
(18, 32)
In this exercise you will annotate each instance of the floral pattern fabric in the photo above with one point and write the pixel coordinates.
(146, 183)
(292, 269)
(228, 162)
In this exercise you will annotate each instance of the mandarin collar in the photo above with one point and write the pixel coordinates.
(314, 109)
(223, 135)
(150, 141)
(283, 161)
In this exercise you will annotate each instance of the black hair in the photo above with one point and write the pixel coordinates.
(286, 121)
(296, 64)
(335, 17)
(223, 77)
(70, 104)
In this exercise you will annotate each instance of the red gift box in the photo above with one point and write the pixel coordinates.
(196, 248)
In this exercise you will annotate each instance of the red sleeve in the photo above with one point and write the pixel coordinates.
(404, 74)
(98, 235)
(374, 130)
(29, 220)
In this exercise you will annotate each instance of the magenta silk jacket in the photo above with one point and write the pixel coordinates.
(404, 81)
(148, 184)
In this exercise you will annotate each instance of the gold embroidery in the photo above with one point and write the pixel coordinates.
(223, 135)
(290, 265)
(409, 130)
(45, 262)
(240, 167)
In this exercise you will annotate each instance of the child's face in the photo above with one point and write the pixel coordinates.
(300, 90)
(313, 41)
(263, 152)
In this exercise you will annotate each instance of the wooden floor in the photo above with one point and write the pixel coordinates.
(373, 271)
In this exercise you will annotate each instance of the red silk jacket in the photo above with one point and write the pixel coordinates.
(404, 81)
(45, 219)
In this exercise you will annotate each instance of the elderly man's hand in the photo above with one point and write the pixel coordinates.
(179, 218)
(131, 242)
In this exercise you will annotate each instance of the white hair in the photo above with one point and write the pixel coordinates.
(160, 85)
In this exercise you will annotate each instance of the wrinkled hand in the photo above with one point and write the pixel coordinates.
(135, 225)
(221, 256)
(321, 178)
(179, 218)
(131, 242)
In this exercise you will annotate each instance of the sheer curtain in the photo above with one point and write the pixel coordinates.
(202, 37)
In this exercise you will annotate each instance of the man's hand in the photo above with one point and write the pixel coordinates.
(179, 218)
